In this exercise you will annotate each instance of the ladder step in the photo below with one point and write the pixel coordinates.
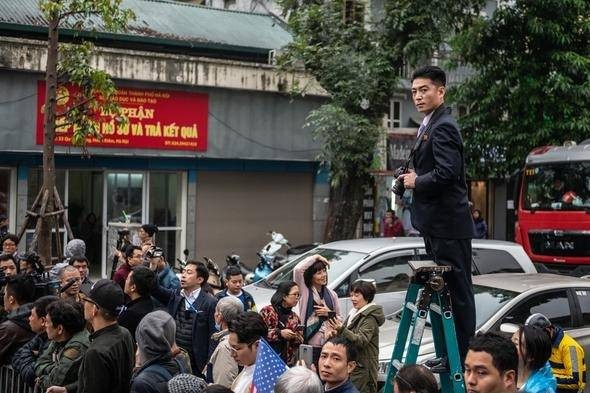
(412, 307)
(435, 308)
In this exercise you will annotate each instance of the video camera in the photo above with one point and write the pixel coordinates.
(44, 285)
(154, 252)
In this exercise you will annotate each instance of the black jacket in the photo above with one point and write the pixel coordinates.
(15, 332)
(154, 376)
(440, 207)
(108, 363)
(203, 326)
(134, 312)
(23, 361)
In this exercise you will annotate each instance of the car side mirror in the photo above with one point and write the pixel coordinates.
(509, 328)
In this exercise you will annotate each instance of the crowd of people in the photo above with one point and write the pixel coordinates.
(148, 331)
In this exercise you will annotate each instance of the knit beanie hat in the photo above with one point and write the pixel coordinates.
(186, 383)
(75, 247)
(155, 335)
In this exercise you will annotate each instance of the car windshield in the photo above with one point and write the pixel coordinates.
(341, 261)
(563, 186)
(487, 302)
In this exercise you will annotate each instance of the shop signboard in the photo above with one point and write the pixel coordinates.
(156, 119)
(399, 146)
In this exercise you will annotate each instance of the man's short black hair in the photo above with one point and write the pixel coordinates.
(144, 279)
(365, 288)
(129, 250)
(351, 350)
(10, 236)
(67, 313)
(201, 269)
(8, 257)
(79, 258)
(21, 287)
(233, 271)
(40, 305)
(249, 327)
(501, 349)
(434, 73)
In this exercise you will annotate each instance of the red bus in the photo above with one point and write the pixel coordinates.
(553, 211)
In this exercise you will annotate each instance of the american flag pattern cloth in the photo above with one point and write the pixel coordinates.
(269, 367)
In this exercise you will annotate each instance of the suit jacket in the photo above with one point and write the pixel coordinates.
(440, 207)
(203, 326)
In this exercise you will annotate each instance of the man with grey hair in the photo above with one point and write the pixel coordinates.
(222, 369)
(299, 379)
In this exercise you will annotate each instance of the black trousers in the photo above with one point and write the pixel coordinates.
(457, 254)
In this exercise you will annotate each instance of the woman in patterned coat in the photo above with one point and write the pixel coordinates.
(284, 326)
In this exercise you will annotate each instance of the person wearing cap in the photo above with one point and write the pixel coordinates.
(146, 236)
(138, 285)
(156, 335)
(108, 364)
(166, 277)
(567, 356)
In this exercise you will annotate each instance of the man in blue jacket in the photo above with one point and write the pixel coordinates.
(193, 310)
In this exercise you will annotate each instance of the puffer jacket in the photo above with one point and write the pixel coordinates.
(363, 332)
(154, 376)
(23, 361)
(15, 332)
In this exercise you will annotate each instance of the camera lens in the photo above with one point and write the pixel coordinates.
(398, 187)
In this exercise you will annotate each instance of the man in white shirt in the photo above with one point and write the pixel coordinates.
(244, 336)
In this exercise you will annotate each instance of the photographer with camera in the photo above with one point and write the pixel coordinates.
(440, 208)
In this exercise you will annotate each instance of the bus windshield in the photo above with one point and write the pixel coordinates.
(557, 186)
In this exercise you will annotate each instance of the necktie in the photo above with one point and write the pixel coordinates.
(422, 127)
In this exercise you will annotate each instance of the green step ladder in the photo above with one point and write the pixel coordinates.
(427, 294)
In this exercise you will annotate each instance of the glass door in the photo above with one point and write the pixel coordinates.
(123, 204)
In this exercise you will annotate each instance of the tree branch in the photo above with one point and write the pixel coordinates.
(74, 13)
(78, 105)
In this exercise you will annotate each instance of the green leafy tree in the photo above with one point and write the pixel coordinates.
(71, 64)
(531, 85)
(358, 60)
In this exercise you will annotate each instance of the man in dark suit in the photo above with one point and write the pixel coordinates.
(440, 208)
(193, 310)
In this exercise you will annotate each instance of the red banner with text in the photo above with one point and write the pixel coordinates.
(157, 119)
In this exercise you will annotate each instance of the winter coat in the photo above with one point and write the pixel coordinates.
(346, 387)
(363, 332)
(134, 311)
(271, 318)
(108, 364)
(318, 338)
(25, 358)
(153, 377)
(203, 325)
(246, 299)
(15, 332)
(59, 363)
(481, 228)
(168, 279)
(540, 381)
(121, 274)
(223, 368)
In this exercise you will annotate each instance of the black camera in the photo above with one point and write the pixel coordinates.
(154, 252)
(398, 184)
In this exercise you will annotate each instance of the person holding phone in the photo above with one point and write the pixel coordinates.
(318, 302)
(285, 331)
(361, 328)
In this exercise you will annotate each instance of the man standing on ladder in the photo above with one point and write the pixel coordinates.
(440, 209)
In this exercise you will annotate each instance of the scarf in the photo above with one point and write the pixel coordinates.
(313, 323)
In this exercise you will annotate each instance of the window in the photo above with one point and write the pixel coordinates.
(583, 296)
(390, 274)
(495, 261)
(393, 119)
(554, 305)
(165, 201)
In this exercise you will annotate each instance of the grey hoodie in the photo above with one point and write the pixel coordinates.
(155, 335)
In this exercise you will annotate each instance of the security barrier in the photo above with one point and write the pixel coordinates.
(11, 382)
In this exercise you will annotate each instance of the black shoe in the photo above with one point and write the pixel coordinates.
(438, 365)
